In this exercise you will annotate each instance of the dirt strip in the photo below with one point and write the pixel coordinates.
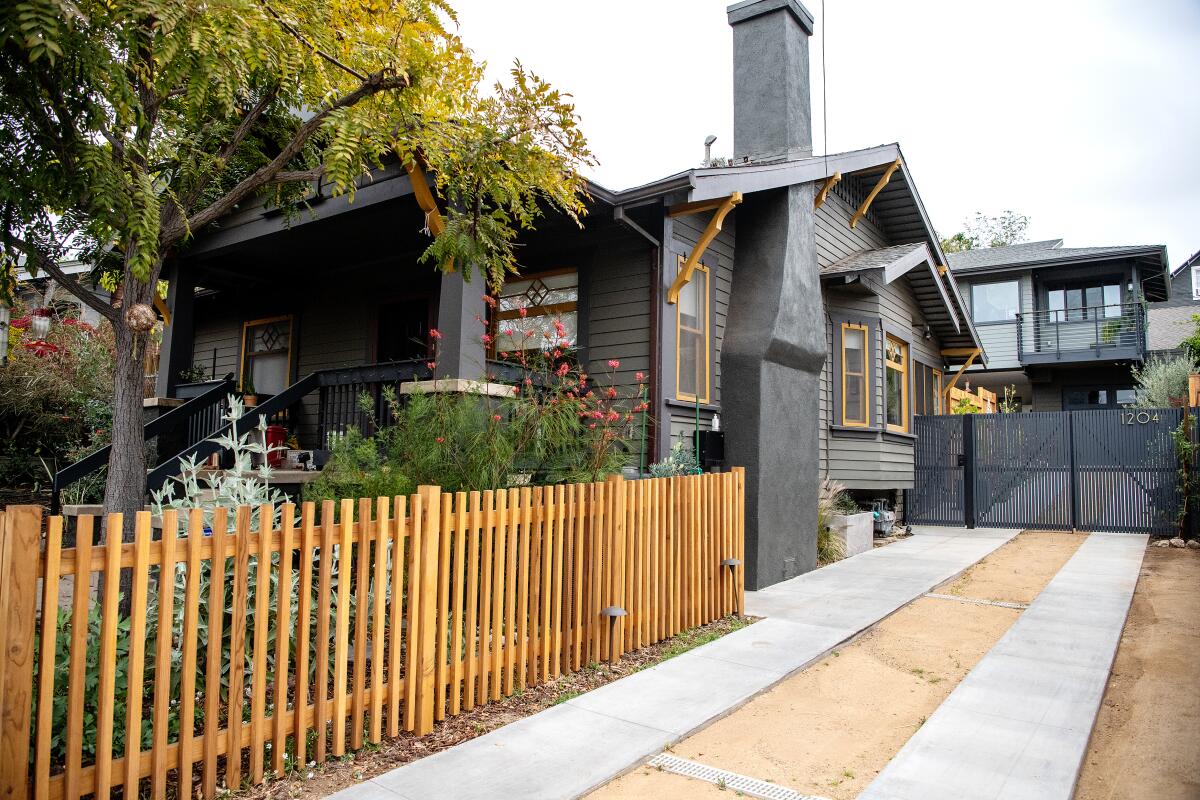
(1146, 742)
(829, 730)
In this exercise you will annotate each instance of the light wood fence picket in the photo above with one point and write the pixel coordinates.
(387, 616)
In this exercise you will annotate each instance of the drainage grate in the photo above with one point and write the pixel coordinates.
(729, 780)
(1000, 603)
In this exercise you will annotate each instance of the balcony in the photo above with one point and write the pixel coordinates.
(1100, 333)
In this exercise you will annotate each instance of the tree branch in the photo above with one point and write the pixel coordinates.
(298, 175)
(68, 282)
(377, 82)
(304, 41)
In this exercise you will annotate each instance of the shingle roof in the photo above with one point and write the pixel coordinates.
(871, 259)
(1014, 255)
(990, 256)
(1170, 326)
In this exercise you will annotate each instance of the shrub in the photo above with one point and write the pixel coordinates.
(55, 399)
(679, 461)
(357, 468)
(831, 500)
(1163, 380)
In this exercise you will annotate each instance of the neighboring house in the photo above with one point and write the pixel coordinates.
(1064, 325)
(798, 298)
(1171, 320)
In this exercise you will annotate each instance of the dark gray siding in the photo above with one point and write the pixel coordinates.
(686, 232)
(835, 238)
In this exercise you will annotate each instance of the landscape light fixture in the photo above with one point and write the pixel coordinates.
(733, 564)
(612, 612)
(5, 318)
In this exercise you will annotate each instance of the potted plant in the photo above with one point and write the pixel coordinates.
(249, 396)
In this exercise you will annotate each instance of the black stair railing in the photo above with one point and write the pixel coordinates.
(199, 417)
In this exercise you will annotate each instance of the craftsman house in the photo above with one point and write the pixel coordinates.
(797, 303)
(1064, 325)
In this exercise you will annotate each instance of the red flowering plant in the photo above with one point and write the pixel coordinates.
(55, 398)
(555, 423)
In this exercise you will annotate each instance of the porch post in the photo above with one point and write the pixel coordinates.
(176, 351)
(461, 352)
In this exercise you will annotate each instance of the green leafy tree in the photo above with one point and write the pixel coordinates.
(129, 126)
(986, 231)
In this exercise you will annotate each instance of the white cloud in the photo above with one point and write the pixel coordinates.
(1083, 115)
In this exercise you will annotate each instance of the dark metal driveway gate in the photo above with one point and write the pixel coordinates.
(1109, 470)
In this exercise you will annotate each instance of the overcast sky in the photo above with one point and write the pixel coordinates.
(1083, 115)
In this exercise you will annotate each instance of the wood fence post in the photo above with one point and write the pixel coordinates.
(427, 627)
(20, 535)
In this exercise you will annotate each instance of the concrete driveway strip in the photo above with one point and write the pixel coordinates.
(1018, 724)
(570, 749)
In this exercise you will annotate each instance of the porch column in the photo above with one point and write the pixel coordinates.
(771, 363)
(176, 351)
(461, 352)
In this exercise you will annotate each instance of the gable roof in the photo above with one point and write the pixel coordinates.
(992, 256)
(939, 300)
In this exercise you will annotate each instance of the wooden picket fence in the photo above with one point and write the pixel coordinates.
(982, 401)
(385, 617)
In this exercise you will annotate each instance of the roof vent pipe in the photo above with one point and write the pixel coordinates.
(708, 143)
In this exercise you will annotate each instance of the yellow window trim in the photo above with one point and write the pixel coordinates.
(937, 393)
(684, 396)
(246, 326)
(902, 368)
(866, 360)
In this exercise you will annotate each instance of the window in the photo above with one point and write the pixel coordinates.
(1074, 302)
(1084, 397)
(546, 297)
(927, 390)
(691, 342)
(266, 355)
(855, 397)
(895, 361)
(994, 302)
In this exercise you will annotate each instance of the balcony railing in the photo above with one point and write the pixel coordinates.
(1100, 333)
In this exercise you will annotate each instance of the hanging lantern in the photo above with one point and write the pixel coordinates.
(5, 317)
(39, 324)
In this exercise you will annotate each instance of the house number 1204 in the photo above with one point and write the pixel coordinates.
(1140, 417)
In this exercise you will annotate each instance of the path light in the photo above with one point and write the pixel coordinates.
(5, 318)
(612, 612)
(733, 564)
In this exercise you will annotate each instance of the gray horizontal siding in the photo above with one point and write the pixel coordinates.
(835, 238)
(686, 234)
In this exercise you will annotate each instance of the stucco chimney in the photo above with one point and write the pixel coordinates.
(772, 116)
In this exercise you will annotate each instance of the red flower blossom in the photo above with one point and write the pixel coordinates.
(640, 376)
(563, 369)
(485, 339)
(529, 381)
(522, 311)
(592, 426)
(431, 365)
(614, 363)
(496, 417)
(440, 439)
(434, 333)
(491, 301)
(612, 393)
(508, 332)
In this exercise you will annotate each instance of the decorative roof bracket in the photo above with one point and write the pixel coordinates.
(830, 182)
(723, 207)
(970, 352)
(866, 204)
(433, 217)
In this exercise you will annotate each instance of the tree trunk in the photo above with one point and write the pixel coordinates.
(125, 490)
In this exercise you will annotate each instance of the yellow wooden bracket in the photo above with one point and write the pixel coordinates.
(433, 217)
(882, 182)
(970, 352)
(943, 269)
(830, 182)
(161, 305)
(723, 207)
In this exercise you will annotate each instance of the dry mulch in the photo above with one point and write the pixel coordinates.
(319, 780)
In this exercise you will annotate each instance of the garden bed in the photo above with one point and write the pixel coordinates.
(316, 781)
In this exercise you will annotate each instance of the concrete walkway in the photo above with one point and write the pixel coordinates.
(1018, 724)
(570, 749)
